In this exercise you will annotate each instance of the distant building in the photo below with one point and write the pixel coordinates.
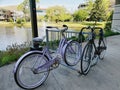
(116, 17)
(41, 11)
(1, 15)
(10, 12)
(5, 15)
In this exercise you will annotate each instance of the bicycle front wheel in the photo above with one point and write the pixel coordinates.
(25, 76)
(95, 57)
(86, 59)
(72, 53)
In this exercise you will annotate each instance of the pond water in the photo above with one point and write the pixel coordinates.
(17, 35)
(12, 35)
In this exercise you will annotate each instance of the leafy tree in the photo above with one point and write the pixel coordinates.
(66, 17)
(40, 18)
(57, 13)
(90, 4)
(110, 16)
(80, 15)
(100, 10)
(20, 20)
(24, 7)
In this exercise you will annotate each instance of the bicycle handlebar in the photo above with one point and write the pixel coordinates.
(85, 28)
(51, 27)
(92, 29)
(62, 30)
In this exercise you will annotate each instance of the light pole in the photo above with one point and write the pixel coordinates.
(33, 18)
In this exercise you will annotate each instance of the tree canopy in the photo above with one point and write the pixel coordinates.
(24, 7)
(100, 10)
(95, 9)
(80, 15)
(57, 13)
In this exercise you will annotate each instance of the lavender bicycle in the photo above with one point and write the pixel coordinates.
(32, 69)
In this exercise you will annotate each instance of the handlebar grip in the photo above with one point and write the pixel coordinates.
(65, 27)
(51, 27)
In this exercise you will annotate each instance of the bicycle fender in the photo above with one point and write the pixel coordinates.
(20, 59)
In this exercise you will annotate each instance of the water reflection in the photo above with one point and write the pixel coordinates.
(12, 35)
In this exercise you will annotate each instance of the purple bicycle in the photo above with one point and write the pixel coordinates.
(32, 68)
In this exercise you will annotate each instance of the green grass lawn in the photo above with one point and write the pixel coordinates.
(6, 24)
(59, 24)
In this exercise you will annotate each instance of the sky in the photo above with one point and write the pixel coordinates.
(71, 5)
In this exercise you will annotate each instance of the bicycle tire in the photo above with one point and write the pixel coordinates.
(103, 48)
(72, 53)
(86, 59)
(26, 80)
(95, 57)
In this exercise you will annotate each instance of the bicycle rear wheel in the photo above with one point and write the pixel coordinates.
(72, 53)
(103, 48)
(86, 59)
(25, 76)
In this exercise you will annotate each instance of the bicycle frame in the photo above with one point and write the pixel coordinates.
(56, 58)
(94, 45)
(91, 41)
(46, 52)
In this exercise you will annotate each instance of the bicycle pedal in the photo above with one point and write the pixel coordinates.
(54, 65)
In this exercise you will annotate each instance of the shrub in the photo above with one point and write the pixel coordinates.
(8, 58)
(20, 20)
(11, 20)
(108, 31)
(108, 26)
(12, 53)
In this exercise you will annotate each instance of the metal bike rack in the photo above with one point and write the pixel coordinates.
(70, 67)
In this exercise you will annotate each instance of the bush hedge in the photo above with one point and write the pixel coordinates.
(108, 31)
(12, 53)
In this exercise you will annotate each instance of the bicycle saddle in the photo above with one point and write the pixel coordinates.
(37, 39)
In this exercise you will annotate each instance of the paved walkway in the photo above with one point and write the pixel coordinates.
(104, 76)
